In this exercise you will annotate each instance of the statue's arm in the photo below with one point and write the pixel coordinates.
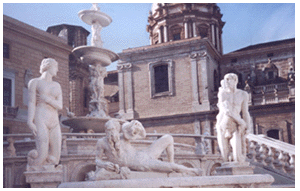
(57, 102)
(99, 154)
(32, 105)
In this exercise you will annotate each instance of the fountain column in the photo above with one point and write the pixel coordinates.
(97, 58)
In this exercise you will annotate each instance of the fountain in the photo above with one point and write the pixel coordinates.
(97, 58)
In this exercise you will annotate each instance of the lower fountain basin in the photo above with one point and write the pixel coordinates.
(85, 123)
(93, 55)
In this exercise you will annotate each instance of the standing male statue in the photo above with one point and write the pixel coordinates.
(122, 157)
(45, 99)
(231, 126)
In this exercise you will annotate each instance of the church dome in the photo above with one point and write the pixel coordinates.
(177, 21)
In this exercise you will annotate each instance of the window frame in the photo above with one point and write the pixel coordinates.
(11, 76)
(170, 65)
(8, 50)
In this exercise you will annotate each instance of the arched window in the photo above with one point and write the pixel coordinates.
(273, 133)
(175, 32)
(203, 31)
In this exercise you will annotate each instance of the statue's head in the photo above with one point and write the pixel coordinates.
(50, 65)
(112, 126)
(230, 81)
(133, 130)
(112, 130)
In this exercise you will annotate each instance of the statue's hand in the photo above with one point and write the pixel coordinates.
(109, 166)
(124, 172)
(45, 98)
(32, 126)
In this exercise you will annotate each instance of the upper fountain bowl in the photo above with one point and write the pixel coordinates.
(92, 16)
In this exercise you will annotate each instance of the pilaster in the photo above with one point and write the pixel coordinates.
(125, 90)
(200, 102)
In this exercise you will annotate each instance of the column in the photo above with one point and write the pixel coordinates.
(213, 34)
(218, 39)
(186, 32)
(159, 36)
(194, 29)
(121, 89)
(194, 75)
(129, 91)
(165, 33)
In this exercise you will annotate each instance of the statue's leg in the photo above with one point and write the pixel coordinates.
(223, 144)
(166, 142)
(42, 143)
(167, 167)
(55, 143)
(235, 142)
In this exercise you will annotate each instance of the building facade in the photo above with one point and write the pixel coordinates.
(171, 86)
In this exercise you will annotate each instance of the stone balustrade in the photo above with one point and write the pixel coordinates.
(79, 149)
(267, 151)
(272, 154)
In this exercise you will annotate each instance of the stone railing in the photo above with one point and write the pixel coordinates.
(272, 154)
(21, 144)
(10, 112)
(269, 94)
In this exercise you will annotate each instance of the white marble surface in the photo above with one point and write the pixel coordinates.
(231, 126)
(45, 99)
(122, 157)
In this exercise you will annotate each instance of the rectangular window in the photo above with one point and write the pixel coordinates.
(5, 50)
(7, 92)
(161, 78)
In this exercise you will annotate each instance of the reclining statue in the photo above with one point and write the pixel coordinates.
(122, 157)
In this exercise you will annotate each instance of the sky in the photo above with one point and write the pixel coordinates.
(246, 23)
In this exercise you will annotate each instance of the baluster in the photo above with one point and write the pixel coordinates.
(280, 161)
(64, 150)
(251, 151)
(11, 147)
(263, 153)
(286, 165)
(292, 164)
(270, 159)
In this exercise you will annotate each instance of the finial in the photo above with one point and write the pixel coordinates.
(95, 7)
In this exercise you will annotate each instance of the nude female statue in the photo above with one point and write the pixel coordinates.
(45, 99)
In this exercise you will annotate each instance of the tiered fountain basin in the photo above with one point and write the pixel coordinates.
(91, 16)
(84, 123)
(93, 55)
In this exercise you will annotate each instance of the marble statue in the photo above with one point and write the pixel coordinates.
(98, 104)
(45, 99)
(122, 157)
(231, 126)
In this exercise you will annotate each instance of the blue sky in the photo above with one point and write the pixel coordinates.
(246, 23)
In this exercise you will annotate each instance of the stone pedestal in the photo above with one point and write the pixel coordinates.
(233, 168)
(235, 181)
(44, 176)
